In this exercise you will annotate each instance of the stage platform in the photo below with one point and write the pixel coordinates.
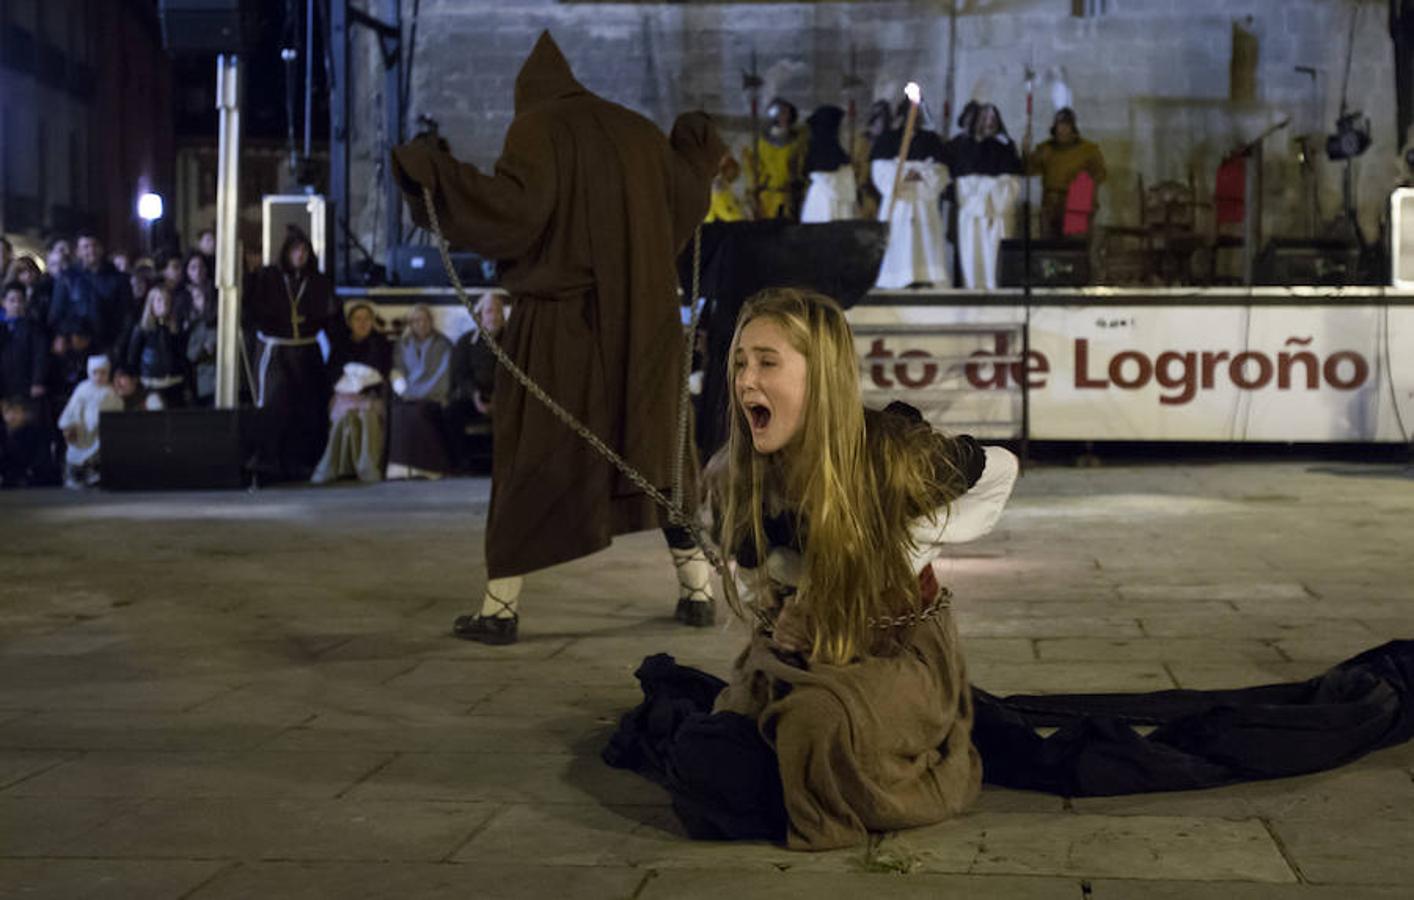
(1263, 364)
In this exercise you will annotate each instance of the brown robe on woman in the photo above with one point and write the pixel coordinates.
(587, 210)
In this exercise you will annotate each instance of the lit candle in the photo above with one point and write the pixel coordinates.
(915, 96)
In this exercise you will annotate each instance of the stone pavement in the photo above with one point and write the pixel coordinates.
(254, 695)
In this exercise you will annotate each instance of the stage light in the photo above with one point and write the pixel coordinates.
(149, 207)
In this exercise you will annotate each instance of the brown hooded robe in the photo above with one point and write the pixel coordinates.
(587, 210)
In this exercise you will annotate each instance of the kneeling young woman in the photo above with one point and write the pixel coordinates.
(849, 710)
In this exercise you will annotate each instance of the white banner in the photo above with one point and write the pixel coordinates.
(1160, 373)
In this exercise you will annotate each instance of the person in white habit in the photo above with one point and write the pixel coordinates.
(79, 423)
(986, 171)
(832, 191)
(916, 255)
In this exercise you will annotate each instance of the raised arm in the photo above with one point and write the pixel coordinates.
(697, 152)
(501, 215)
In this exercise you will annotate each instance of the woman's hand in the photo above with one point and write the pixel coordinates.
(792, 630)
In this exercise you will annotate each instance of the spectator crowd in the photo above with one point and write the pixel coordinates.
(89, 332)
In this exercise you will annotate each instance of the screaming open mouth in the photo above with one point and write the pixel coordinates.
(759, 415)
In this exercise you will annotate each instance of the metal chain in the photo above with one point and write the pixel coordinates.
(672, 506)
(686, 396)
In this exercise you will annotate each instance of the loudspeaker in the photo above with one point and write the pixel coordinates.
(206, 26)
(1053, 263)
(177, 449)
(1300, 262)
(420, 265)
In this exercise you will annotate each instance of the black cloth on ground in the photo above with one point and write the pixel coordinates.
(720, 772)
(721, 779)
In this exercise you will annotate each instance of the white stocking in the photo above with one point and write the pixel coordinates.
(502, 597)
(694, 574)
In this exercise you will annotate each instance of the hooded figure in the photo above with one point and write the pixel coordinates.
(285, 306)
(986, 172)
(916, 253)
(831, 194)
(586, 210)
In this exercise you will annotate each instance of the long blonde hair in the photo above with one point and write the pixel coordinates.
(149, 320)
(854, 480)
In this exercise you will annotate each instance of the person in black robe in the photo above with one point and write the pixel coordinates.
(285, 307)
(986, 179)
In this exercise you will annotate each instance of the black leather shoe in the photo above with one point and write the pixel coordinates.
(487, 629)
(697, 613)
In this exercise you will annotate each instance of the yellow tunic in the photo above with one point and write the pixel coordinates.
(1058, 164)
(724, 206)
(779, 174)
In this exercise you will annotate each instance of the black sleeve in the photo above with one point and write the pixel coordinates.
(968, 457)
(964, 455)
(461, 369)
(39, 355)
(58, 303)
(134, 354)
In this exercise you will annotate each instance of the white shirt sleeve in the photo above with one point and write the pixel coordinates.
(970, 516)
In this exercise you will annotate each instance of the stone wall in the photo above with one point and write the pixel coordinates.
(1165, 86)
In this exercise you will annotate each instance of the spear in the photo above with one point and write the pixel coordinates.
(915, 96)
(751, 83)
(852, 84)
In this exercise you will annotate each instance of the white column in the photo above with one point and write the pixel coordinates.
(229, 265)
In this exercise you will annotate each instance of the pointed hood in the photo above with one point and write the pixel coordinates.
(546, 75)
(825, 153)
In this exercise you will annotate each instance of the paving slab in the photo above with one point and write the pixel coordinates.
(105, 879)
(1150, 649)
(1259, 626)
(1144, 847)
(18, 765)
(235, 729)
(31, 828)
(258, 773)
(1106, 889)
(680, 884)
(508, 778)
(1348, 793)
(431, 673)
(638, 836)
(227, 828)
(1050, 677)
(1213, 675)
(437, 733)
(157, 695)
(987, 625)
(1249, 591)
(425, 881)
(1348, 850)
